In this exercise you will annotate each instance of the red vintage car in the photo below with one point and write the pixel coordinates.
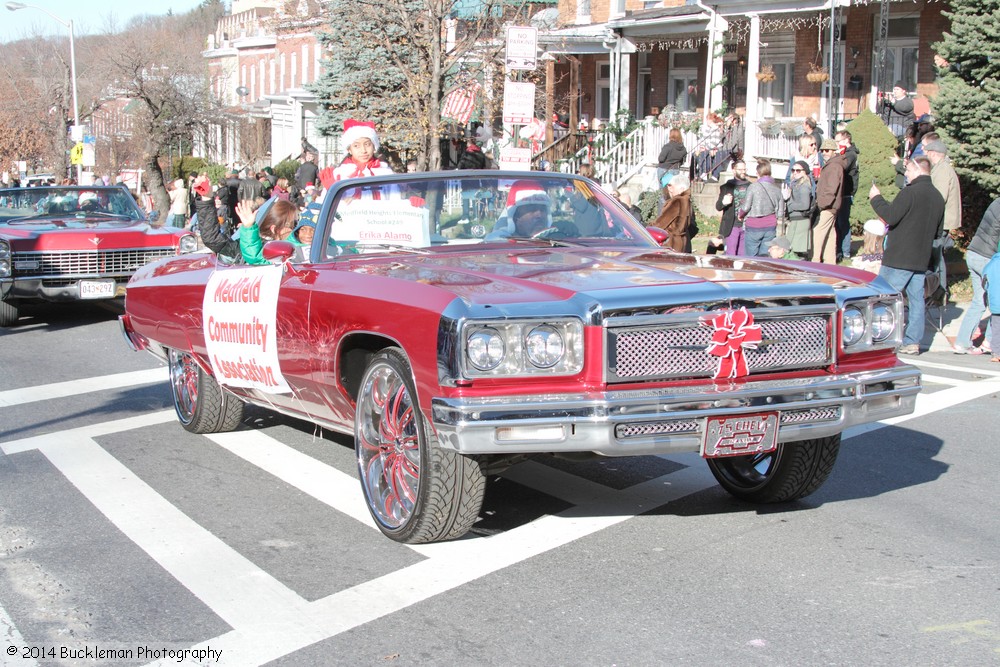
(71, 243)
(457, 322)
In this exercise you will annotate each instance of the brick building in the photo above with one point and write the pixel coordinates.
(643, 55)
(260, 58)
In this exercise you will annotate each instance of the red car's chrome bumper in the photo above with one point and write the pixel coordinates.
(658, 421)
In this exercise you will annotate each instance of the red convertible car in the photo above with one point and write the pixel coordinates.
(70, 243)
(456, 323)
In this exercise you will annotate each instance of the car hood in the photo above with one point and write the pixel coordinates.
(558, 273)
(72, 233)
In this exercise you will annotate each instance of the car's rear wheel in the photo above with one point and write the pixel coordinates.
(792, 471)
(201, 404)
(415, 490)
(10, 311)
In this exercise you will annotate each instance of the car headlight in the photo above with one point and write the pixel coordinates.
(485, 349)
(4, 249)
(883, 322)
(4, 268)
(870, 324)
(512, 348)
(544, 346)
(853, 326)
(188, 243)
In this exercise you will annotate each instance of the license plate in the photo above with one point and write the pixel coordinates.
(97, 289)
(740, 436)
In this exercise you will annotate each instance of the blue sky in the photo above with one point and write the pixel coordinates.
(88, 16)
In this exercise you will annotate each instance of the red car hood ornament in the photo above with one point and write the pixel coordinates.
(734, 332)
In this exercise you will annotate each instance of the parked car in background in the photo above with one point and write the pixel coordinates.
(35, 180)
(75, 243)
(455, 323)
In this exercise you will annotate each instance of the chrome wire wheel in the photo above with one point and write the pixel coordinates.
(201, 404)
(184, 384)
(388, 446)
(416, 490)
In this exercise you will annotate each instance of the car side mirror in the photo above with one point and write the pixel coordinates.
(154, 216)
(278, 250)
(658, 234)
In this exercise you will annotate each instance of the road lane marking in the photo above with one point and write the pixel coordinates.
(47, 392)
(450, 565)
(270, 621)
(940, 379)
(89, 431)
(10, 636)
(972, 370)
(314, 478)
(930, 403)
(231, 586)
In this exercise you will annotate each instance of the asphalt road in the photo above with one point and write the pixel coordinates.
(121, 532)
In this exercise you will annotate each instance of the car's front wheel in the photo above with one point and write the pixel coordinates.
(201, 405)
(792, 471)
(415, 490)
(9, 313)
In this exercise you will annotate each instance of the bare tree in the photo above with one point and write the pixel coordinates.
(157, 62)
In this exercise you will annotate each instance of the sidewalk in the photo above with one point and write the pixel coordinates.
(938, 341)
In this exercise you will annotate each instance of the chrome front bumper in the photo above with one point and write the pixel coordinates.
(669, 420)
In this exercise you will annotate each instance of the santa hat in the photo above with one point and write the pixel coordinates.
(521, 189)
(357, 129)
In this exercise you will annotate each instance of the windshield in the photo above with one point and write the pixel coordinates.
(419, 212)
(81, 202)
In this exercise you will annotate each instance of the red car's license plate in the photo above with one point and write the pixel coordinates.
(739, 436)
(97, 289)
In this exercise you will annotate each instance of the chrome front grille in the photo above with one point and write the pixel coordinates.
(694, 425)
(679, 349)
(86, 263)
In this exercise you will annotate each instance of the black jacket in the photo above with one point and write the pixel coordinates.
(472, 159)
(913, 218)
(851, 170)
(211, 233)
(738, 189)
(672, 155)
(987, 237)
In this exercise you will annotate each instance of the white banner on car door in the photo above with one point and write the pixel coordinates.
(239, 312)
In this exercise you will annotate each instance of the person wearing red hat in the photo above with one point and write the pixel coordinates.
(360, 142)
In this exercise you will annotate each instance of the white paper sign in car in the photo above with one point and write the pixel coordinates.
(239, 311)
(389, 222)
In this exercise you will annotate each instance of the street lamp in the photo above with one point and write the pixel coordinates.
(13, 7)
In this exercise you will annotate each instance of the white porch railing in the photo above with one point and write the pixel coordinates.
(773, 146)
(615, 162)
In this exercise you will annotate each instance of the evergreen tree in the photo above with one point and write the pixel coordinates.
(967, 106)
(876, 146)
(389, 62)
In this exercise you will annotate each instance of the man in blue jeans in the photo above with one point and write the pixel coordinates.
(912, 218)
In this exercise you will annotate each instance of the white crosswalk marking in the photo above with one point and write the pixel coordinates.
(47, 392)
(268, 619)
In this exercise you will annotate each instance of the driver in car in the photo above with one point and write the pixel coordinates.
(530, 219)
(523, 218)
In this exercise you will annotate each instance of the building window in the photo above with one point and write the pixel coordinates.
(902, 52)
(775, 97)
(295, 65)
(617, 7)
(602, 109)
(583, 11)
(682, 82)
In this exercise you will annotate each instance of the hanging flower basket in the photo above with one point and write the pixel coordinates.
(769, 127)
(817, 74)
(766, 74)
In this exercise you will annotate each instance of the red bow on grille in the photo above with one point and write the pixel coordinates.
(734, 331)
